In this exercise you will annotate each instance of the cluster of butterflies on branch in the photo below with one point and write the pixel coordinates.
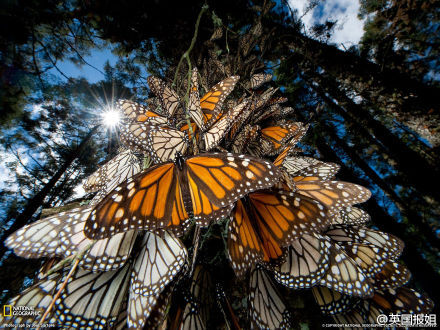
(289, 223)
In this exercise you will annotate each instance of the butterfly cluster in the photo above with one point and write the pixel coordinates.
(222, 155)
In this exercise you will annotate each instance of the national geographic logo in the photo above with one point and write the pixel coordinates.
(9, 311)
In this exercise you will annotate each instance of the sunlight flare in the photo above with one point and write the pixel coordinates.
(111, 117)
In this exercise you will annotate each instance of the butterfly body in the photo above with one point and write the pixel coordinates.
(166, 196)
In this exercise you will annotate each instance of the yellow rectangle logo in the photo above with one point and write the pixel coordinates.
(7, 310)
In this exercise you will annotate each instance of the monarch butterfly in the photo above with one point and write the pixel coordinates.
(207, 110)
(351, 215)
(371, 258)
(239, 121)
(154, 104)
(332, 194)
(269, 107)
(363, 313)
(267, 221)
(259, 79)
(194, 107)
(333, 302)
(118, 169)
(277, 100)
(167, 195)
(158, 263)
(306, 262)
(247, 141)
(273, 138)
(62, 235)
(95, 299)
(38, 296)
(210, 105)
(286, 111)
(169, 99)
(213, 136)
(187, 315)
(157, 314)
(192, 301)
(245, 44)
(261, 100)
(121, 322)
(266, 306)
(267, 113)
(282, 156)
(345, 275)
(92, 300)
(402, 301)
(387, 242)
(161, 143)
(392, 275)
(390, 301)
(307, 166)
(160, 259)
(136, 112)
(95, 181)
(360, 261)
(164, 142)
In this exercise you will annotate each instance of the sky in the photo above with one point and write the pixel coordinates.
(349, 27)
(97, 58)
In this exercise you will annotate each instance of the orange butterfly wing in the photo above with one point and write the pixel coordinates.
(148, 201)
(276, 220)
(195, 129)
(282, 156)
(138, 113)
(333, 194)
(402, 301)
(165, 196)
(275, 137)
(217, 180)
(211, 103)
(194, 107)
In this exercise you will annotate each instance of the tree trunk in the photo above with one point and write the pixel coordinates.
(358, 112)
(403, 206)
(37, 200)
(405, 158)
(409, 101)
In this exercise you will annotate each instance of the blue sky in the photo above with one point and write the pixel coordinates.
(97, 58)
